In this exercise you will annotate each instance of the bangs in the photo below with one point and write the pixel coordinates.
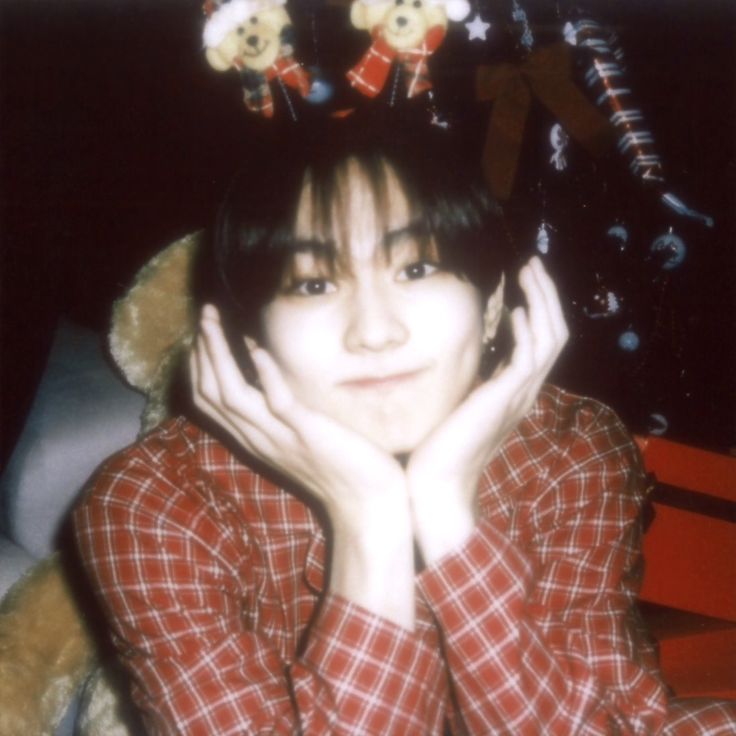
(325, 220)
(301, 201)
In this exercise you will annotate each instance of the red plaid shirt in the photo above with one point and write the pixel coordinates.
(213, 578)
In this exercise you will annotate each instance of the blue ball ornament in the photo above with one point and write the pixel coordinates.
(629, 341)
(321, 90)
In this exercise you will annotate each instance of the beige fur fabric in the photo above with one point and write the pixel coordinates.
(153, 324)
(45, 652)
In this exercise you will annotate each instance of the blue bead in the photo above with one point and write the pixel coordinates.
(320, 92)
(629, 341)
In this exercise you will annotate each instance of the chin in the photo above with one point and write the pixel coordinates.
(399, 439)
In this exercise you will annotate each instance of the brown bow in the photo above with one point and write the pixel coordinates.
(546, 75)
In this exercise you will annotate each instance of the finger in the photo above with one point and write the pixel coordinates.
(231, 396)
(540, 321)
(261, 437)
(522, 357)
(548, 292)
(280, 398)
(277, 393)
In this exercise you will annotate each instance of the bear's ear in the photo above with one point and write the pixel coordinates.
(278, 17)
(435, 15)
(217, 60)
(359, 15)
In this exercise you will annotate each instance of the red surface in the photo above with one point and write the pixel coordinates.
(691, 571)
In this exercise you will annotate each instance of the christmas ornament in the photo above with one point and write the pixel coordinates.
(619, 235)
(657, 424)
(629, 341)
(477, 28)
(669, 250)
(559, 140)
(254, 37)
(519, 15)
(606, 79)
(605, 304)
(321, 90)
(543, 239)
(404, 36)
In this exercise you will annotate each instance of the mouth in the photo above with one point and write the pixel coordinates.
(401, 30)
(387, 381)
(256, 51)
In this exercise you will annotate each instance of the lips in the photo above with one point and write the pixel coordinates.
(381, 381)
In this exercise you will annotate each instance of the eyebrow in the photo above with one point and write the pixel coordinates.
(328, 248)
(415, 228)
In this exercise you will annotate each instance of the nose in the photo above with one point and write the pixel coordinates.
(375, 321)
(401, 21)
(252, 41)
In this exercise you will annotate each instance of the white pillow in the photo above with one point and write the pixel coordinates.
(82, 413)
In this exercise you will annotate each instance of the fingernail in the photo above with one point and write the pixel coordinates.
(209, 312)
(250, 343)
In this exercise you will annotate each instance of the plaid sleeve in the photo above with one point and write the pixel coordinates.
(169, 582)
(381, 679)
(537, 634)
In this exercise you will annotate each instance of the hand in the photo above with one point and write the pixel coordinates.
(443, 472)
(362, 488)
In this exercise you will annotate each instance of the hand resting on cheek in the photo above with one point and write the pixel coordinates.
(377, 507)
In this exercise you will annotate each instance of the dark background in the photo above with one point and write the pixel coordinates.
(116, 138)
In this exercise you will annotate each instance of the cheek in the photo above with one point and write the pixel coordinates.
(451, 325)
(304, 345)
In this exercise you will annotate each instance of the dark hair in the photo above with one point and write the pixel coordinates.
(253, 238)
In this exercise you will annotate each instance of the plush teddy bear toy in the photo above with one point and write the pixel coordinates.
(46, 649)
(254, 37)
(404, 31)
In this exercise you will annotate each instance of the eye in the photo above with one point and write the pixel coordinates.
(313, 287)
(399, 2)
(418, 270)
(417, 3)
(254, 20)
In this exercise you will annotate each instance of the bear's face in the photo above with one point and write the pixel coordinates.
(253, 44)
(404, 22)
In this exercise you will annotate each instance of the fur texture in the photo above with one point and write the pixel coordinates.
(46, 652)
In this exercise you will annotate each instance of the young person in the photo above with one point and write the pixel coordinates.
(380, 522)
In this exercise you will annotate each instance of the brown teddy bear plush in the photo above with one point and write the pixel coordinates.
(405, 32)
(46, 649)
(254, 37)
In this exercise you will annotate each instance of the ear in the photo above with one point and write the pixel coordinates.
(494, 312)
(280, 17)
(435, 15)
(217, 60)
(359, 15)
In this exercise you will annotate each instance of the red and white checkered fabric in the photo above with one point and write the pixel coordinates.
(213, 580)
(369, 75)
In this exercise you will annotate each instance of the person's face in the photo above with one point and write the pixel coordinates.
(384, 342)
